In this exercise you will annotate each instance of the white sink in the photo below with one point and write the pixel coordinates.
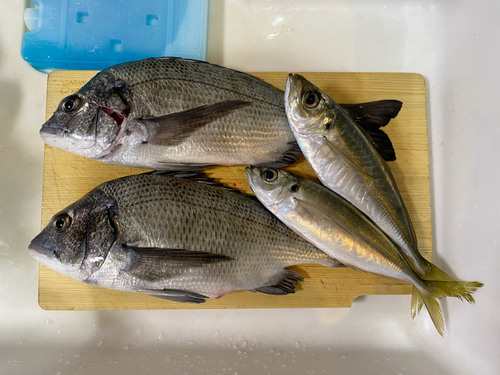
(453, 44)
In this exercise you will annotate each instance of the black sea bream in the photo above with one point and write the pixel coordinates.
(178, 238)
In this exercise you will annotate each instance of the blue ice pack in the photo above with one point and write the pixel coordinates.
(95, 34)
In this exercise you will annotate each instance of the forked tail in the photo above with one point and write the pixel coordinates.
(435, 274)
(432, 291)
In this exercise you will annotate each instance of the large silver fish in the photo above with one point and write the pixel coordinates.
(177, 238)
(345, 160)
(342, 231)
(172, 114)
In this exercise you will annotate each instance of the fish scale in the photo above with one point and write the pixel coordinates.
(177, 114)
(176, 238)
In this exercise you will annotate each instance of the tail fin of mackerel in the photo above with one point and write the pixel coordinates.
(432, 291)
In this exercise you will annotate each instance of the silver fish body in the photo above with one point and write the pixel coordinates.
(342, 231)
(175, 238)
(172, 114)
(346, 161)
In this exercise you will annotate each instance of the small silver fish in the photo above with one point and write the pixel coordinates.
(178, 114)
(346, 161)
(175, 237)
(339, 229)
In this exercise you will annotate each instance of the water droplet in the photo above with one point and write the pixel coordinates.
(344, 356)
(161, 336)
(20, 343)
(139, 330)
(100, 343)
(76, 356)
(49, 321)
(126, 347)
(297, 344)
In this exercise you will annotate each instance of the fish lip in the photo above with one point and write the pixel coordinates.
(52, 130)
(249, 171)
(292, 102)
(36, 249)
(290, 86)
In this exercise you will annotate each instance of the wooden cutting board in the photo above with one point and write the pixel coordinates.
(68, 177)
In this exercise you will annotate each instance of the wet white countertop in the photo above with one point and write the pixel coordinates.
(453, 44)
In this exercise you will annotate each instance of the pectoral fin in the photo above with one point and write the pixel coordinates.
(345, 158)
(154, 264)
(173, 128)
(321, 216)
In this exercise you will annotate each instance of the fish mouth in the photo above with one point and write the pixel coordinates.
(291, 88)
(251, 171)
(293, 91)
(50, 131)
(36, 249)
(52, 135)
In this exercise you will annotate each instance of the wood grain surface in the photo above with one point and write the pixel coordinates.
(68, 177)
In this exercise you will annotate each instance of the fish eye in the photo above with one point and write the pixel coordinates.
(70, 104)
(310, 99)
(62, 223)
(270, 175)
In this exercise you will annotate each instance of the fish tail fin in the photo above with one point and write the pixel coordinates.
(433, 291)
(435, 273)
(432, 304)
(416, 302)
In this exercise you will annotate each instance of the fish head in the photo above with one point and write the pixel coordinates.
(77, 239)
(272, 186)
(88, 122)
(309, 110)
